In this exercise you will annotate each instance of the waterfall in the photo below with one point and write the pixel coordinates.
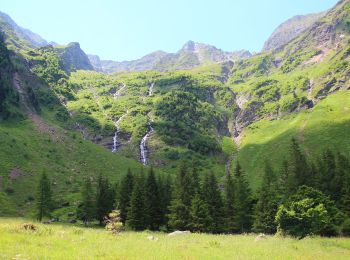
(150, 92)
(115, 137)
(117, 93)
(144, 148)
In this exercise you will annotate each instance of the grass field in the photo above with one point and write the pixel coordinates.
(74, 242)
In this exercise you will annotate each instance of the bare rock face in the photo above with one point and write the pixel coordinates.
(74, 58)
(290, 29)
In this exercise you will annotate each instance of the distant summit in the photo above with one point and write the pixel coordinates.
(290, 29)
(191, 54)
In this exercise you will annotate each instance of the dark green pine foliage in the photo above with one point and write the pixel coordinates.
(87, 210)
(195, 180)
(136, 218)
(230, 224)
(165, 189)
(201, 220)
(153, 207)
(285, 180)
(267, 205)
(327, 172)
(44, 202)
(343, 165)
(125, 191)
(105, 198)
(179, 216)
(213, 199)
(299, 169)
(242, 201)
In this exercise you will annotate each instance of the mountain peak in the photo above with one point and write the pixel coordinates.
(290, 29)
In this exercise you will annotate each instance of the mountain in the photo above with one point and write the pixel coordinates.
(189, 56)
(73, 57)
(290, 29)
(145, 63)
(224, 107)
(30, 38)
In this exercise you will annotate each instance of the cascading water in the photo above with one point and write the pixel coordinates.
(117, 93)
(150, 91)
(144, 148)
(115, 137)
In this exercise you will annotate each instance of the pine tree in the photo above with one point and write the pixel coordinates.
(165, 190)
(343, 180)
(229, 204)
(179, 209)
(87, 210)
(200, 216)
(267, 205)
(299, 169)
(284, 188)
(153, 206)
(212, 197)
(195, 183)
(242, 201)
(105, 198)
(136, 217)
(126, 188)
(44, 198)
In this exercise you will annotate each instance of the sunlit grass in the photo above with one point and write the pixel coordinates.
(73, 242)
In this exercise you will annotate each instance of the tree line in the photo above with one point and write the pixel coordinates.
(301, 198)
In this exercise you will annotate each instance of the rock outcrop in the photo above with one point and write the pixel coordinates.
(73, 57)
(290, 29)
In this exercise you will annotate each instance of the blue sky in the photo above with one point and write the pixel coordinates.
(129, 29)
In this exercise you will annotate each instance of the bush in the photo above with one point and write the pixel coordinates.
(308, 212)
(113, 222)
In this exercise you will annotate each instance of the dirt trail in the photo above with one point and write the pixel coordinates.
(30, 111)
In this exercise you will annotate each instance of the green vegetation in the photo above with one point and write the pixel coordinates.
(74, 242)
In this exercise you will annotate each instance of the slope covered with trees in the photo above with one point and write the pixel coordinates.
(67, 122)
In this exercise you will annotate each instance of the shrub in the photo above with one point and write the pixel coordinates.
(308, 212)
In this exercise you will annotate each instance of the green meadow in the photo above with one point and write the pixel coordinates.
(57, 241)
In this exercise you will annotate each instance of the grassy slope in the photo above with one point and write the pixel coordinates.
(67, 159)
(68, 242)
(324, 126)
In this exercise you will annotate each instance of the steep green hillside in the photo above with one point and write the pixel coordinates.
(68, 122)
(326, 126)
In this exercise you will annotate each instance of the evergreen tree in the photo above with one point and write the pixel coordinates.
(105, 198)
(87, 210)
(165, 189)
(229, 204)
(126, 188)
(44, 198)
(136, 217)
(195, 182)
(212, 197)
(284, 187)
(242, 201)
(327, 173)
(179, 210)
(153, 206)
(200, 216)
(343, 182)
(267, 205)
(299, 169)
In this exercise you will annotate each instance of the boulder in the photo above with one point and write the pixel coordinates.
(178, 232)
(260, 237)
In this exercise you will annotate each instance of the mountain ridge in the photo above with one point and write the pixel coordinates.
(190, 55)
